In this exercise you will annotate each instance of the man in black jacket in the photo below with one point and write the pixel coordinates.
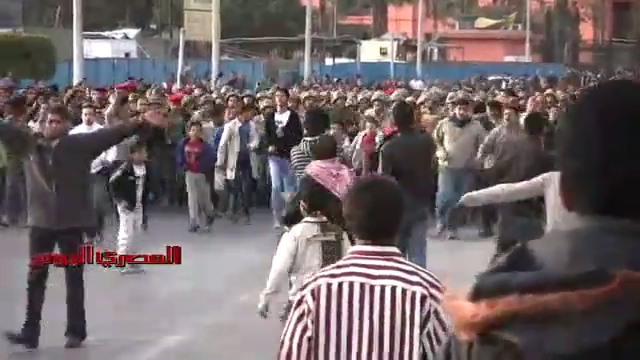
(283, 131)
(572, 294)
(59, 207)
(408, 158)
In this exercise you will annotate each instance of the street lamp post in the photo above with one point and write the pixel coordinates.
(307, 41)
(420, 40)
(527, 40)
(215, 41)
(78, 46)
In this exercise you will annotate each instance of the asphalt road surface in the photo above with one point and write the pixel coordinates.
(202, 309)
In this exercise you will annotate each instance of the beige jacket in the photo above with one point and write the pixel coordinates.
(299, 256)
(229, 148)
(457, 147)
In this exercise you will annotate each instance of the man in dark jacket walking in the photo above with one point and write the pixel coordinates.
(58, 183)
(408, 158)
(572, 294)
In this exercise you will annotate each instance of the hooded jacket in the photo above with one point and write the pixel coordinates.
(573, 294)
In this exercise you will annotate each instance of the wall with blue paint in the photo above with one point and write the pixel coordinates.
(451, 71)
(106, 72)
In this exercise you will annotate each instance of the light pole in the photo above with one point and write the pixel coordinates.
(392, 56)
(78, 46)
(215, 41)
(335, 18)
(420, 39)
(527, 39)
(180, 58)
(307, 41)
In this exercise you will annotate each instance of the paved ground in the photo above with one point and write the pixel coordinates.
(203, 309)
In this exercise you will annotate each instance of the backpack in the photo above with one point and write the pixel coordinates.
(331, 238)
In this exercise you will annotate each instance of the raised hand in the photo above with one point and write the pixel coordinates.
(156, 118)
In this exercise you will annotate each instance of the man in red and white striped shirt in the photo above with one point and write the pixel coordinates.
(372, 304)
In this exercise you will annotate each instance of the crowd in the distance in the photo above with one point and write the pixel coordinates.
(353, 251)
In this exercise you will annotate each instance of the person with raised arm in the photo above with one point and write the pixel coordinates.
(57, 167)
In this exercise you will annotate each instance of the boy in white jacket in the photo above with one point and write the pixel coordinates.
(307, 247)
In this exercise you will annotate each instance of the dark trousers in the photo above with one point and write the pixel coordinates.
(513, 230)
(488, 217)
(44, 241)
(241, 190)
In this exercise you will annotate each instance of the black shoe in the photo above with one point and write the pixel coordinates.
(20, 339)
(194, 228)
(210, 220)
(73, 343)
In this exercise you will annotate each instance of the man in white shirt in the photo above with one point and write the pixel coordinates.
(99, 169)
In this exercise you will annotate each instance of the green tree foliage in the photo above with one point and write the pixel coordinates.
(256, 18)
(27, 56)
(240, 18)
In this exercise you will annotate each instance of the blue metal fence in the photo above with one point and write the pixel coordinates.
(453, 71)
(105, 72)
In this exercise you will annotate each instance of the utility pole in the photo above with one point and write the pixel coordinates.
(308, 41)
(420, 39)
(527, 41)
(78, 46)
(215, 41)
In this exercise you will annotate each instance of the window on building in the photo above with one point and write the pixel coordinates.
(622, 26)
(384, 51)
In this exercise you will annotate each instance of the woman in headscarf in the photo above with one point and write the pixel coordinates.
(327, 170)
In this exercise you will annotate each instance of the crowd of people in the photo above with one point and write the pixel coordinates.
(351, 175)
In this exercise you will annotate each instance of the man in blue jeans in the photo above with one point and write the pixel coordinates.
(283, 131)
(408, 158)
(457, 139)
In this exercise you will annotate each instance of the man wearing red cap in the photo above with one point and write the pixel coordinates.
(176, 99)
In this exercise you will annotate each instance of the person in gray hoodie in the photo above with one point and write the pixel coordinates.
(58, 199)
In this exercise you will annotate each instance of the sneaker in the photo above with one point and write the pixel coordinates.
(194, 228)
(18, 338)
(277, 225)
(210, 220)
(440, 230)
(73, 343)
(453, 235)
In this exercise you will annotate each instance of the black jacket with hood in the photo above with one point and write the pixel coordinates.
(571, 295)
